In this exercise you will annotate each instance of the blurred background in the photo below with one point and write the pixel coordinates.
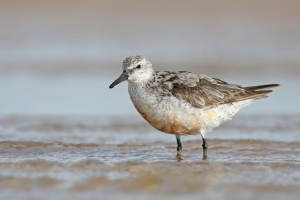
(59, 57)
(65, 135)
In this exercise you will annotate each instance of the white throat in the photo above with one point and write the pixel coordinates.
(140, 78)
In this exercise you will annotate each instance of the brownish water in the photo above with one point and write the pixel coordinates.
(109, 157)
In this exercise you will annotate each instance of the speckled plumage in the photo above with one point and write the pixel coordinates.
(184, 103)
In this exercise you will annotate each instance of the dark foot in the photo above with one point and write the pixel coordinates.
(205, 147)
(179, 146)
(179, 157)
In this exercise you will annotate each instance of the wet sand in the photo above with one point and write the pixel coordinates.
(120, 157)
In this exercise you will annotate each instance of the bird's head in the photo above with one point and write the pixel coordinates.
(136, 69)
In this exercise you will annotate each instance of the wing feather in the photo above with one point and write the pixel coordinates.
(202, 91)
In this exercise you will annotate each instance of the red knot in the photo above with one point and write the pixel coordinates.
(184, 103)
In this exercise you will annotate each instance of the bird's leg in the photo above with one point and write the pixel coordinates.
(205, 147)
(179, 146)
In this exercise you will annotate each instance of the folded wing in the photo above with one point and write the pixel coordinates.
(202, 91)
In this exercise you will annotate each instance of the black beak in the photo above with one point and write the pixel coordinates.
(123, 77)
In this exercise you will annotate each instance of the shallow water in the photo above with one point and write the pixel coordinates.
(109, 157)
(27, 94)
(70, 137)
(65, 135)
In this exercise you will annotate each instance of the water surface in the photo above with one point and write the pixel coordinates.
(87, 157)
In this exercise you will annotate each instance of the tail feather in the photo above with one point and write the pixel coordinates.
(253, 92)
(250, 96)
(260, 87)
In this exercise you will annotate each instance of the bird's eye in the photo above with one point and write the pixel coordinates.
(139, 66)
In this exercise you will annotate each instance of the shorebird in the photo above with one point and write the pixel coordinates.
(184, 103)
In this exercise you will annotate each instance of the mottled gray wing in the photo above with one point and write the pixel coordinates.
(202, 91)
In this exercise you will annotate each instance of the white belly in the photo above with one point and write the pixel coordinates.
(171, 115)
